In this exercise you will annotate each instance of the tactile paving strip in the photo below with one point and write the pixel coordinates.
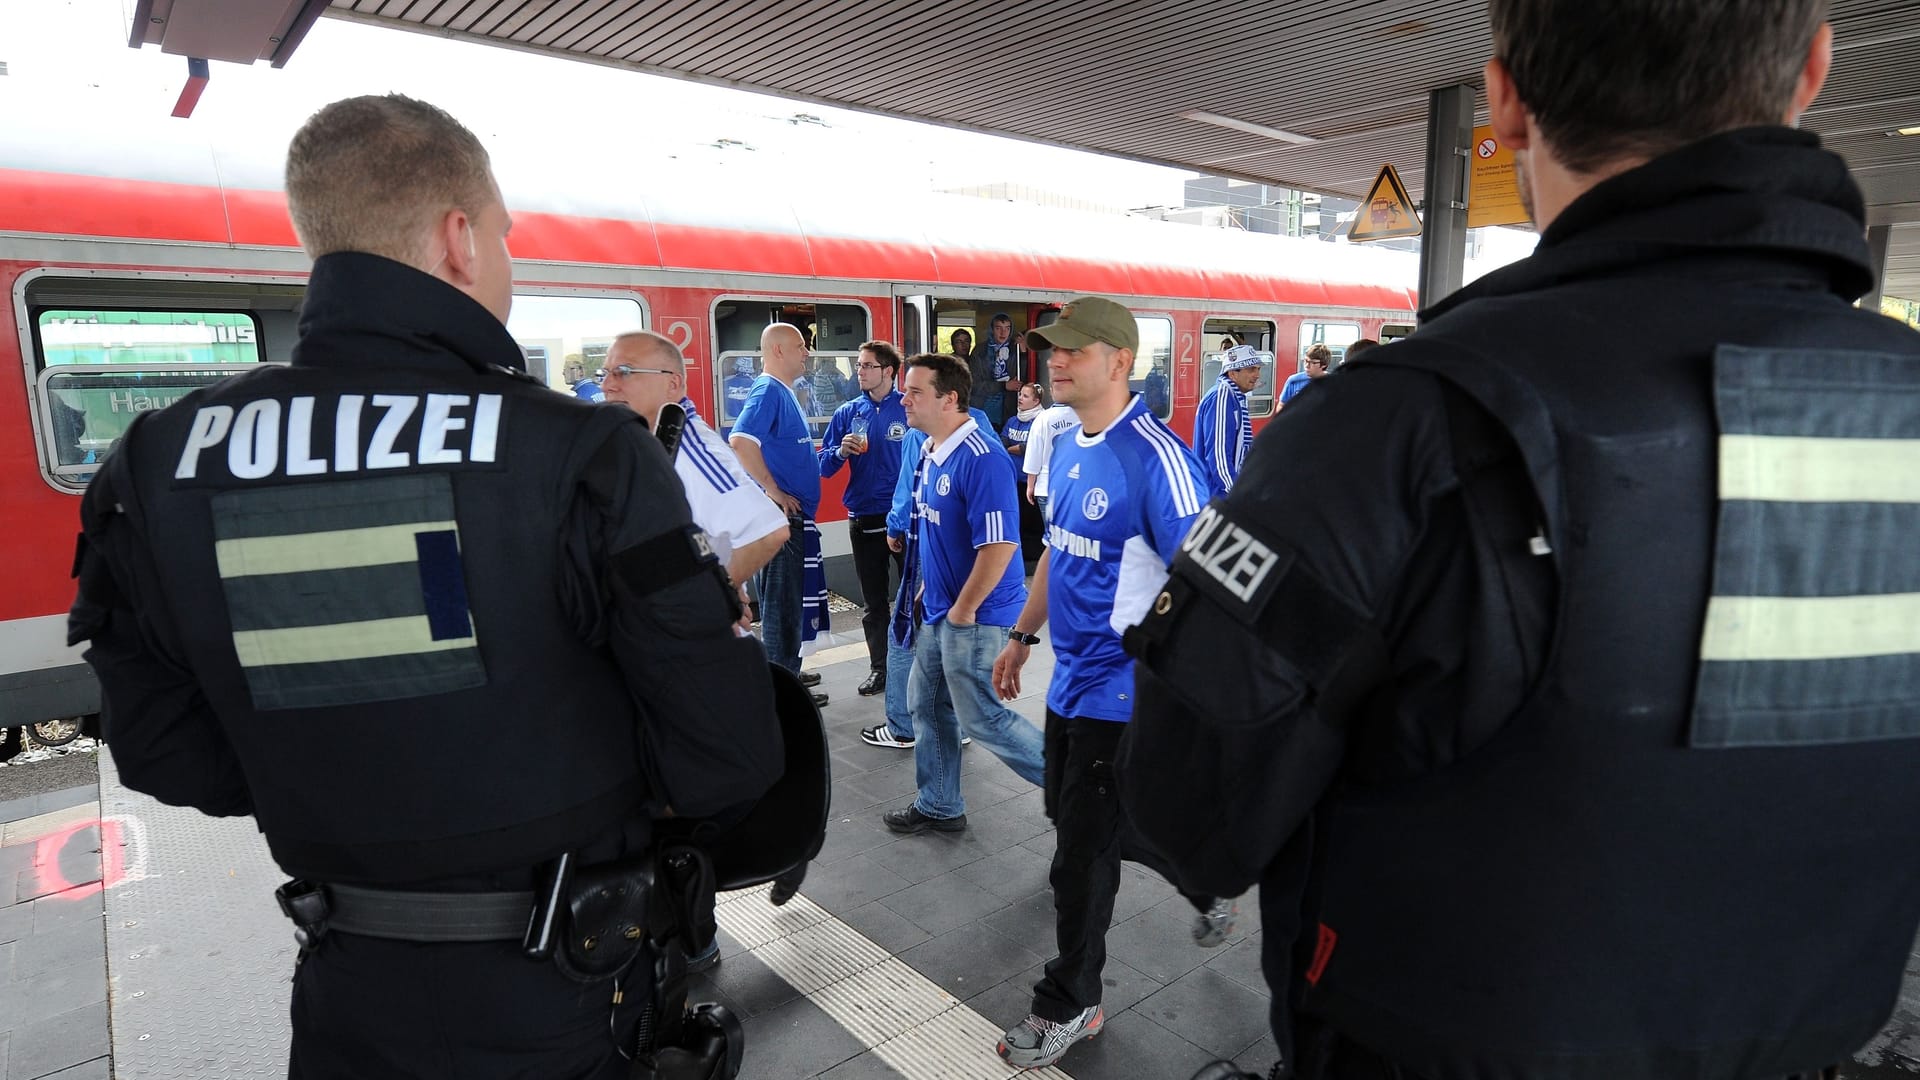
(198, 954)
(916, 1028)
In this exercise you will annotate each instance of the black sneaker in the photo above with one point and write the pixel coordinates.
(911, 820)
(819, 698)
(882, 735)
(809, 678)
(876, 684)
(787, 885)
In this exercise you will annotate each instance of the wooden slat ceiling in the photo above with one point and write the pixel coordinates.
(1123, 76)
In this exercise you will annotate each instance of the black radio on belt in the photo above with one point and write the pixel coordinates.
(305, 902)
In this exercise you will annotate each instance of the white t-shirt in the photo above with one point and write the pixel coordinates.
(1052, 421)
(726, 503)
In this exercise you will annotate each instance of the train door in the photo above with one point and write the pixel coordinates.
(966, 327)
(915, 317)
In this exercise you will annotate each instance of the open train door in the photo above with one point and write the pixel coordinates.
(915, 322)
(1039, 315)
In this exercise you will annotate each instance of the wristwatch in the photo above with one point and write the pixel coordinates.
(1024, 639)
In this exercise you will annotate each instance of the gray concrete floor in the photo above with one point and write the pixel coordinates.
(972, 913)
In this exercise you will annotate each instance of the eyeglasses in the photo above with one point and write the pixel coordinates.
(1316, 363)
(624, 370)
(871, 367)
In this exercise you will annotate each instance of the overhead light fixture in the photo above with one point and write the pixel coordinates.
(1914, 130)
(1249, 127)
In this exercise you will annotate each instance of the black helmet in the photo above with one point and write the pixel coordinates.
(787, 825)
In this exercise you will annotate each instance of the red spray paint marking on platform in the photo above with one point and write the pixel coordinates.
(46, 860)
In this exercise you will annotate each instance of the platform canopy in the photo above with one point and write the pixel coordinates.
(1315, 96)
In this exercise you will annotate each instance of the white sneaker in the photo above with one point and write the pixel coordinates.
(1211, 929)
(1035, 1043)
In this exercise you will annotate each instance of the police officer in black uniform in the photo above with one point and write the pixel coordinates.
(434, 625)
(1584, 745)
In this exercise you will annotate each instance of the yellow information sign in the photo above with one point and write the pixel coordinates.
(1493, 185)
(1386, 213)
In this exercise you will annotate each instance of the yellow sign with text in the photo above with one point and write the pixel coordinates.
(1493, 184)
(1386, 213)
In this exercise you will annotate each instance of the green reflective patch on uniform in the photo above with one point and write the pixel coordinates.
(341, 641)
(346, 592)
(1812, 632)
(1799, 469)
(1810, 627)
(341, 549)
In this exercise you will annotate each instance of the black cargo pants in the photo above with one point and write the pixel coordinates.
(1091, 839)
(365, 1007)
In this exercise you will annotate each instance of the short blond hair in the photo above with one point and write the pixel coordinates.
(376, 174)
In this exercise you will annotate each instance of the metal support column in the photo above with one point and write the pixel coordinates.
(1878, 239)
(1443, 236)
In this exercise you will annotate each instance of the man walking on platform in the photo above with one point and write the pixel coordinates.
(902, 626)
(866, 434)
(1124, 493)
(971, 591)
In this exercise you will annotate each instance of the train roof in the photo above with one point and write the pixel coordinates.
(619, 206)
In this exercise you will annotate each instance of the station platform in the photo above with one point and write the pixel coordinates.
(140, 940)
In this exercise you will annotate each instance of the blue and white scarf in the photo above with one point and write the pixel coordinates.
(904, 626)
(814, 617)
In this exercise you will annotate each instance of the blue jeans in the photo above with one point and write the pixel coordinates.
(957, 661)
(899, 671)
(782, 587)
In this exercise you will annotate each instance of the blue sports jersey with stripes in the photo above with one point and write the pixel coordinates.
(1119, 504)
(968, 499)
(1222, 435)
(726, 503)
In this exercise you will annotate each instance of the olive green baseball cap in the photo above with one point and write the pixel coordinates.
(1085, 320)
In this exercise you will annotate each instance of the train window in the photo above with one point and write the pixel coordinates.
(1152, 376)
(1220, 334)
(555, 330)
(72, 336)
(828, 383)
(834, 334)
(1336, 336)
(100, 367)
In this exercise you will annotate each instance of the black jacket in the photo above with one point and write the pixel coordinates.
(1525, 792)
(419, 614)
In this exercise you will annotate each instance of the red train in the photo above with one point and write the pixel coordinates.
(142, 266)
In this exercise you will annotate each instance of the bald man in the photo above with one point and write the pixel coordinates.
(773, 444)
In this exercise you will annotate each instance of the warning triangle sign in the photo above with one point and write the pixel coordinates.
(1386, 213)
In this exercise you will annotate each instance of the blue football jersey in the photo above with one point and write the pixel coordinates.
(968, 499)
(1119, 504)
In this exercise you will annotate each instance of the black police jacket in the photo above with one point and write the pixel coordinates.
(422, 616)
(1576, 704)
